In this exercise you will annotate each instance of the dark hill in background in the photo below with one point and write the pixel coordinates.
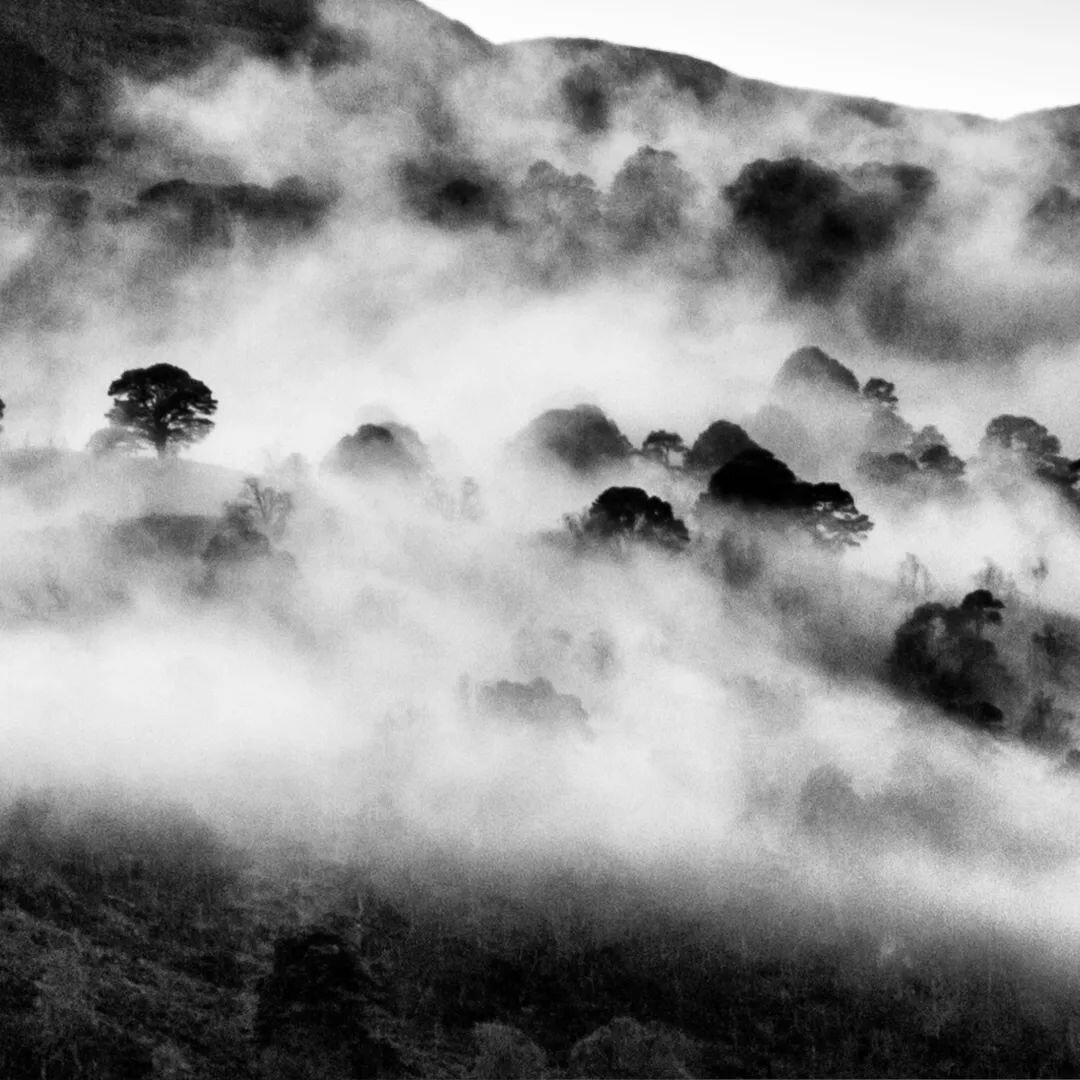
(60, 62)
(60, 59)
(605, 67)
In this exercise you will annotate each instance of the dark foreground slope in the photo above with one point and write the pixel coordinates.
(138, 944)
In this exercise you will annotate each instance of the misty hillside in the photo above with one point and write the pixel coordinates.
(544, 559)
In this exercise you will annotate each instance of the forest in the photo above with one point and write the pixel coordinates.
(533, 560)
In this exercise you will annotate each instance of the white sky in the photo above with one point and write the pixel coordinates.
(995, 58)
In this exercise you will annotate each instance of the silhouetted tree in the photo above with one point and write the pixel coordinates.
(811, 368)
(982, 608)
(262, 508)
(717, 445)
(925, 439)
(831, 517)
(992, 578)
(1034, 448)
(381, 450)
(896, 469)
(942, 654)
(886, 430)
(583, 438)
(818, 224)
(939, 461)
(758, 483)
(755, 479)
(162, 406)
(1023, 434)
(245, 532)
(880, 392)
(629, 514)
(660, 445)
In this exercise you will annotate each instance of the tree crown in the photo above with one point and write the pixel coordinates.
(162, 405)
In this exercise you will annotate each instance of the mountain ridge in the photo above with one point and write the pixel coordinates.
(62, 64)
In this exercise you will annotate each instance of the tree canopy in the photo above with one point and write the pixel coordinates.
(1021, 433)
(660, 445)
(386, 449)
(583, 438)
(717, 445)
(162, 406)
(629, 513)
(648, 199)
(811, 368)
(1037, 449)
(757, 482)
(819, 224)
(942, 653)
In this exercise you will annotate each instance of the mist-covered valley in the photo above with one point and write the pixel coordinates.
(536, 559)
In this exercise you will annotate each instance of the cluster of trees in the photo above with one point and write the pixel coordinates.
(623, 514)
(820, 394)
(205, 214)
(821, 224)
(387, 449)
(752, 492)
(566, 219)
(954, 656)
(764, 488)
(817, 224)
(165, 408)
(944, 654)
(826, 234)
